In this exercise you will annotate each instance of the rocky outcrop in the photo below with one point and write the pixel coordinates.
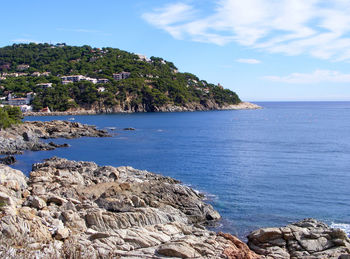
(189, 107)
(69, 209)
(307, 239)
(7, 160)
(26, 136)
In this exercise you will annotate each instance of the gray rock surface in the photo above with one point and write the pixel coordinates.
(26, 136)
(307, 239)
(69, 209)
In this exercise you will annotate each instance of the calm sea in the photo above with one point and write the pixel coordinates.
(259, 168)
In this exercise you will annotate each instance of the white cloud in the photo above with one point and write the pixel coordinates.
(317, 76)
(320, 28)
(248, 60)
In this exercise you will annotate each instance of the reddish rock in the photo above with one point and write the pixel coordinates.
(237, 249)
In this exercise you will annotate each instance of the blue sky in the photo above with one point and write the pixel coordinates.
(265, 50)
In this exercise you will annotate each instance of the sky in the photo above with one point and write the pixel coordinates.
(264, 50)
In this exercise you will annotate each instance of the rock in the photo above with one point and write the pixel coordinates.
(58, 145)
(178, 249)
(26, 136)
(13, 179)
(308, 238)
(36, 202)
(29, 136)
(129, 129)
(8, 160)
(237, 249)
(265, 234)
(56, 200)
(62, 233)
(79, 209)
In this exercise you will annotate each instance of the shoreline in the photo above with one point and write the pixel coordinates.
(107, 193)
(240, 106)
(78, 207)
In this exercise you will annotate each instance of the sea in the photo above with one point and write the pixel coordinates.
(258, 168)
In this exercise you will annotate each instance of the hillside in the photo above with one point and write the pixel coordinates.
(68, 78)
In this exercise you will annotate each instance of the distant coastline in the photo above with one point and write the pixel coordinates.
(172, 108)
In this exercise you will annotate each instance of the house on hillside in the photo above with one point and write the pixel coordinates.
(19, 101)
(74, 78)
(77, 78)
(102, 81)
(121, 75)
(46, 109)
(36, 74)
(101, 89)
(92, 80)
(143, 58)
(26, 108)
(22, 67)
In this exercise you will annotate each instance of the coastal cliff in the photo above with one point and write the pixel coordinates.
(165, 108)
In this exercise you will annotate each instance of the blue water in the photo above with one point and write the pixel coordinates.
(260, 168)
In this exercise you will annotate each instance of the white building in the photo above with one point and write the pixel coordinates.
(78, 78)
(143, 58)
(26, 108)
(101, 89)
(74, 78)
(45, 85)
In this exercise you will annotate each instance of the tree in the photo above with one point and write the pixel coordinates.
(9, 116)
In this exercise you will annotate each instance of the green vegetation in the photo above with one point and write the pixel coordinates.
(152, 84)
(9, 116)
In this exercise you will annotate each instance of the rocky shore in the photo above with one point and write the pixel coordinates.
(166, 108)
(69, 209)
(28, 135)
(307, 239)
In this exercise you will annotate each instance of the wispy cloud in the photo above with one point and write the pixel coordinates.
(317, 76)
(84, 31)
(319, 28)
(248, 60)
